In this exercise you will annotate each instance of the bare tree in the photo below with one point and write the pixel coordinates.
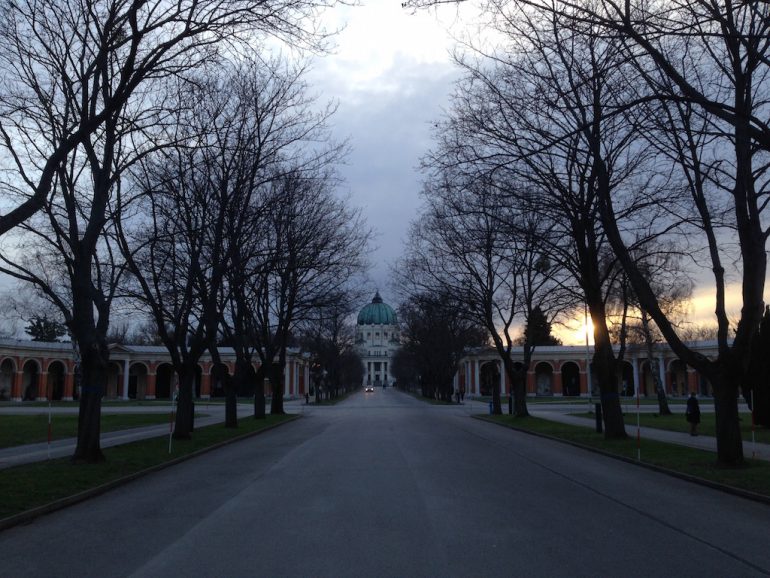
(318, 243)
(80, 79)
(489, 256)
(706, 64)
(206, 199)
(435, 335)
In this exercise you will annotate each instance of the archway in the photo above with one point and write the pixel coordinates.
(544, 378)
(7, 373)
(56, 375)
(137, 381)
(220, 375)
(570, 379)
(114, 383)
(164, 375)
(626, 380)
(30, 383)
(489, 375)
(677, 376)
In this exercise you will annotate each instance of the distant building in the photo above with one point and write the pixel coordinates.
(34, 370)
(377, 339)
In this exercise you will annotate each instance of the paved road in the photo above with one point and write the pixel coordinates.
(385, 485)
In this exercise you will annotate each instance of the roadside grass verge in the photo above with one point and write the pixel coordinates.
(754, 477)
(335, 400)
(430, 400)
(16, 430)
(36, 485)
(677, 422)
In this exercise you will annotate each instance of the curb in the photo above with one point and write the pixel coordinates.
(29, 515)
(673, 473)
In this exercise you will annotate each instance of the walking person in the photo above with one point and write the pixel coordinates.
(693, 413)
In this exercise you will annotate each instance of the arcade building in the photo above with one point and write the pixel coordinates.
(39, 371)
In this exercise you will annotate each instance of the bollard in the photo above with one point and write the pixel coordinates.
(598, 407)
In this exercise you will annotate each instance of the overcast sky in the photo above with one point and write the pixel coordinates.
(391, 74)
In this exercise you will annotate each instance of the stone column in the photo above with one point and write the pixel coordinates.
(149, 386)
(42, 386)
(16, 392)
(69, 386)
(502, 379)
(476, 377)
(126, 376)
(557, 385)
(205, 385)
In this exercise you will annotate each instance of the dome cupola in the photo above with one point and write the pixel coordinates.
(377, 313)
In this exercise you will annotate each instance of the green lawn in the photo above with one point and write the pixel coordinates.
(755, 477)
(677, 422)
(28, 429)
(30, 486)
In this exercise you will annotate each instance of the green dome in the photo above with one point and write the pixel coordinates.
(377, 313)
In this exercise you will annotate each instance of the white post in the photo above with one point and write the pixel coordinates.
(125, 378)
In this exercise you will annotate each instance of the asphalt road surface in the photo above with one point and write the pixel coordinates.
(385, 485)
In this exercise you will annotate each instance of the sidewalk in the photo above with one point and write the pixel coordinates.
(761, 451)
(18, 455)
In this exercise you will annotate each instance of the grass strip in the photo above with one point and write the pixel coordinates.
(335, 400)
(16, 430)
(35, 485)
(677, 422)
(754, 477)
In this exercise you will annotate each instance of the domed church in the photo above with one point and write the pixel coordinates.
(377, 338)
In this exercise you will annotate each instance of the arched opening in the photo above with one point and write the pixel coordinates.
(570, 379)
(220, 375)
(626, 380)
(544, 378)
(56, 376)
(489, 375)
(137, 381)
(30, 383)
(114, 381)
(7, 373)
(677, 377)
(647, 379)
(164, 375)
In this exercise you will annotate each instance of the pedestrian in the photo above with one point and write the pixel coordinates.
(462, 394)
(693, 413)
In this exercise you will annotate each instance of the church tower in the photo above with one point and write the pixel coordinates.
(377, 338)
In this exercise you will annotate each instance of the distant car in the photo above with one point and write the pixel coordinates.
(369, 388)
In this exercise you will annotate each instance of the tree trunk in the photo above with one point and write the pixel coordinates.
(259, 393)
(728, 430)
(518, 387)
(520, 394)
(185, 408)
(94, 362)
(604, 365)
(276, 382)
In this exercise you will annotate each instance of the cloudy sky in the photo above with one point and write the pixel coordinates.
(391, 74)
